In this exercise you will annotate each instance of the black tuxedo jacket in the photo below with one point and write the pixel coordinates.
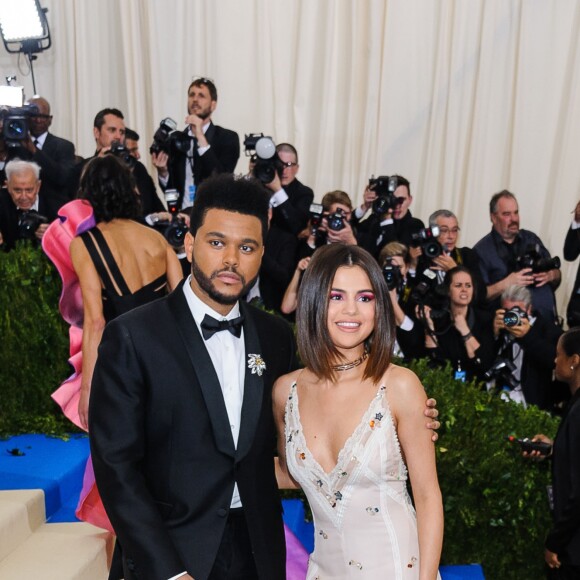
(293, 214)
(564, 538)
(162, 448)
(9, 215)
(278, 265)
(571, 252)
(221, 157)
(373, 237)
(56, 159)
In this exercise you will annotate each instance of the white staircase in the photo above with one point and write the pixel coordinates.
(31, 549)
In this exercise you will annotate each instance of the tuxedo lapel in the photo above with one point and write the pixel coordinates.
(204, 371)
(253, 387)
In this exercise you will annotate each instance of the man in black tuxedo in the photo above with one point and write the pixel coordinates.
(109, 126)
(290, 199)
(180, 420)
(24, 212)
(56, 156)
(212, 149)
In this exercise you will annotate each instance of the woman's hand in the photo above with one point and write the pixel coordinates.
(551, 559)
(84, 409)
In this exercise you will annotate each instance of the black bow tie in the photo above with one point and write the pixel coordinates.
(209, 326)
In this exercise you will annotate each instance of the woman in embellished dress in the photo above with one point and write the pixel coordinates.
(351, 429)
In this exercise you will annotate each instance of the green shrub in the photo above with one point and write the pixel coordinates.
(34, 343)
(495, 501)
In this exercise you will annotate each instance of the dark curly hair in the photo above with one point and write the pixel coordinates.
(243, 196)
(108, 184)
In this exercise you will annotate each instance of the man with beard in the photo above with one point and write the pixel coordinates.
(212, 149)
(183, 388)
(500, 257)
(108, 130)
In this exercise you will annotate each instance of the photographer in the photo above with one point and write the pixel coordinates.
(571, 252)
(511, 256)
(290, 199)
(528, 341)
(393, 260)
(460, 334)
(24, 213)
(391, 221)
(211, 148)
(451, 255)
(109, 133)
(54, 155)
(332, 226)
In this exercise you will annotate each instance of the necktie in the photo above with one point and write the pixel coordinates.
(209, 326)
(36, 143)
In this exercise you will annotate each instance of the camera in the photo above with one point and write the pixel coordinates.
(427, 292)
(174, 231)
(15, 123)
(335, 221)
(28, 224)
(384, 186)
(392, 275)
(514, 316)
(168, 139)
(119, 150)
(501, 372)
(263, 152)
(427, 239)
(532, 259)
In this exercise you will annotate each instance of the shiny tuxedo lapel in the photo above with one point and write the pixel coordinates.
(253, 387)
(204, 370)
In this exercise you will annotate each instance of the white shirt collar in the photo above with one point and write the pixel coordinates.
(40, 139)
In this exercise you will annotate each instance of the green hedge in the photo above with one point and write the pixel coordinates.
(496, 506)
(34, 343)
(496, 511)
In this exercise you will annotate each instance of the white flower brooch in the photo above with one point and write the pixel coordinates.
(257, 364)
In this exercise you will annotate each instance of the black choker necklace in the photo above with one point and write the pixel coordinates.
(351, 365)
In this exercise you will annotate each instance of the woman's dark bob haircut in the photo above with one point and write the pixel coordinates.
(570, 341)
(109, 186)
(316, 349)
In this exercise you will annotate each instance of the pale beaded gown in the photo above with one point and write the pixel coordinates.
(365, 524)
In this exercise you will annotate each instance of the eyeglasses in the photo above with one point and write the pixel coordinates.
(288, 164)
(443, 231)
(39, 116)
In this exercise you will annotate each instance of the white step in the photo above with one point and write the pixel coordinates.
(32, 549)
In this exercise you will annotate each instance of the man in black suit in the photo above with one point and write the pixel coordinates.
(530, 345)
(182, 433)
(571, 252)
(108, 127)
(212, 149)
(290, 199)
(56, 156)
(396, 224)
(24, 212)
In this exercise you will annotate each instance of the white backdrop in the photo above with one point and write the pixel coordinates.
(463, 97)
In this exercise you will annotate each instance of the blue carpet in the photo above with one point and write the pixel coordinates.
(53, 465)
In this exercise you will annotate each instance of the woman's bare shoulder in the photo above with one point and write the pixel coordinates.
(402, 381)
(282, 386)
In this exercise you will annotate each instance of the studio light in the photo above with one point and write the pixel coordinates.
(24, 28)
